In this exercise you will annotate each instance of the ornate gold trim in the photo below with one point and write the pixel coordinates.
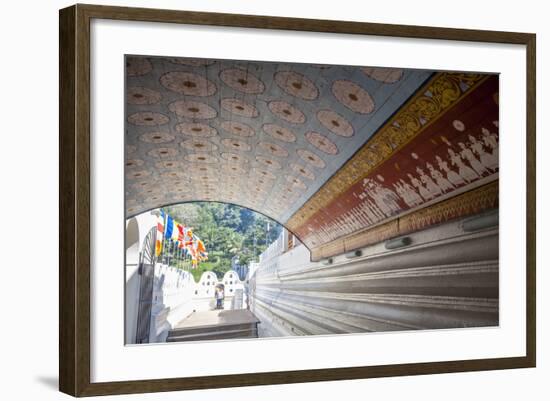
(469, 203)
(443, 91)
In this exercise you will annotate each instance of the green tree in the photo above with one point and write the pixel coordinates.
(227, 231)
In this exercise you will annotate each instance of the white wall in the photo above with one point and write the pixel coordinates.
(28, 161)
(132, 277)
(137, 229)
(294, 296)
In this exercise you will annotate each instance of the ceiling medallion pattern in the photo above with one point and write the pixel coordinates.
(280, 133)
(188, 83)
(141, 95)
(242, 81)
(353, 96)
(303, 171)
(192, 110)
(236, 144)
(148, 118)
(268, 162)
(322, 143)
(201, 158)
(237, 128)
(297, 85)
(234, 158)
(195, 129)
(296, 182)
(199, 144)
(287, 112)
(157, 137)
(335, 123)
(137, 174)
(264, 135)
(169, 165)
(264, 174)
(273, 149)
(239, 108)
(311, 158)
(130, 163)
(163, 153)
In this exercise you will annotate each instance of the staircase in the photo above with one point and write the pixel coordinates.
(215, 325)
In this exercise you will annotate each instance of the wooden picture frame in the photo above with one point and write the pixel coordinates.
(74, 200)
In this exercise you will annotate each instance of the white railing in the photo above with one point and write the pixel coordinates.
(275, 249)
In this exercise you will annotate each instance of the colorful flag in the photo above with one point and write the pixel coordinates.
(160, 222)
(200, 246)
(181, 232)
(160, 231)
(169, 227)
(181, 237)
(176, 231)
(189, 238)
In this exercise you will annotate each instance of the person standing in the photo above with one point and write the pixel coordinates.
(218, 296)
(222, 297)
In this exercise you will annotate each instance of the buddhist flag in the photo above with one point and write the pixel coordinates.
(160, 231)
(160, 222)
(200, 246)
(189, 238)
(158, 247)
(181, 232)
(175, 231)
(169, 227)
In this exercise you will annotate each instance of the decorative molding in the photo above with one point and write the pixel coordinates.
(466, 204)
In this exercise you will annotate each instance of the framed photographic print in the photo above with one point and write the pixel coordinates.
(250, 200)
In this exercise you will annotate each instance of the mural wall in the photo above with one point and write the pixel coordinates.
(443, 143)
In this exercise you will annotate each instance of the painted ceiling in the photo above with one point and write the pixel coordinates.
(326, 150)
(261, 135)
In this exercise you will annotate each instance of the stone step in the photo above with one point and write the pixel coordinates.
(209, 329)
(216, 335)
(215, 325)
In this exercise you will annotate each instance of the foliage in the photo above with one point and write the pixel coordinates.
(227, 231)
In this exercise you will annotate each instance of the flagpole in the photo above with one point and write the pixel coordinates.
(169, 256)
(164, 237)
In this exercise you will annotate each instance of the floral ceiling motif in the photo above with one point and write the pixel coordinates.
(261, 135)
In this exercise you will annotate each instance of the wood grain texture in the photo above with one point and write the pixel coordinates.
(74, 199)
(67, 295)
(531, 229)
